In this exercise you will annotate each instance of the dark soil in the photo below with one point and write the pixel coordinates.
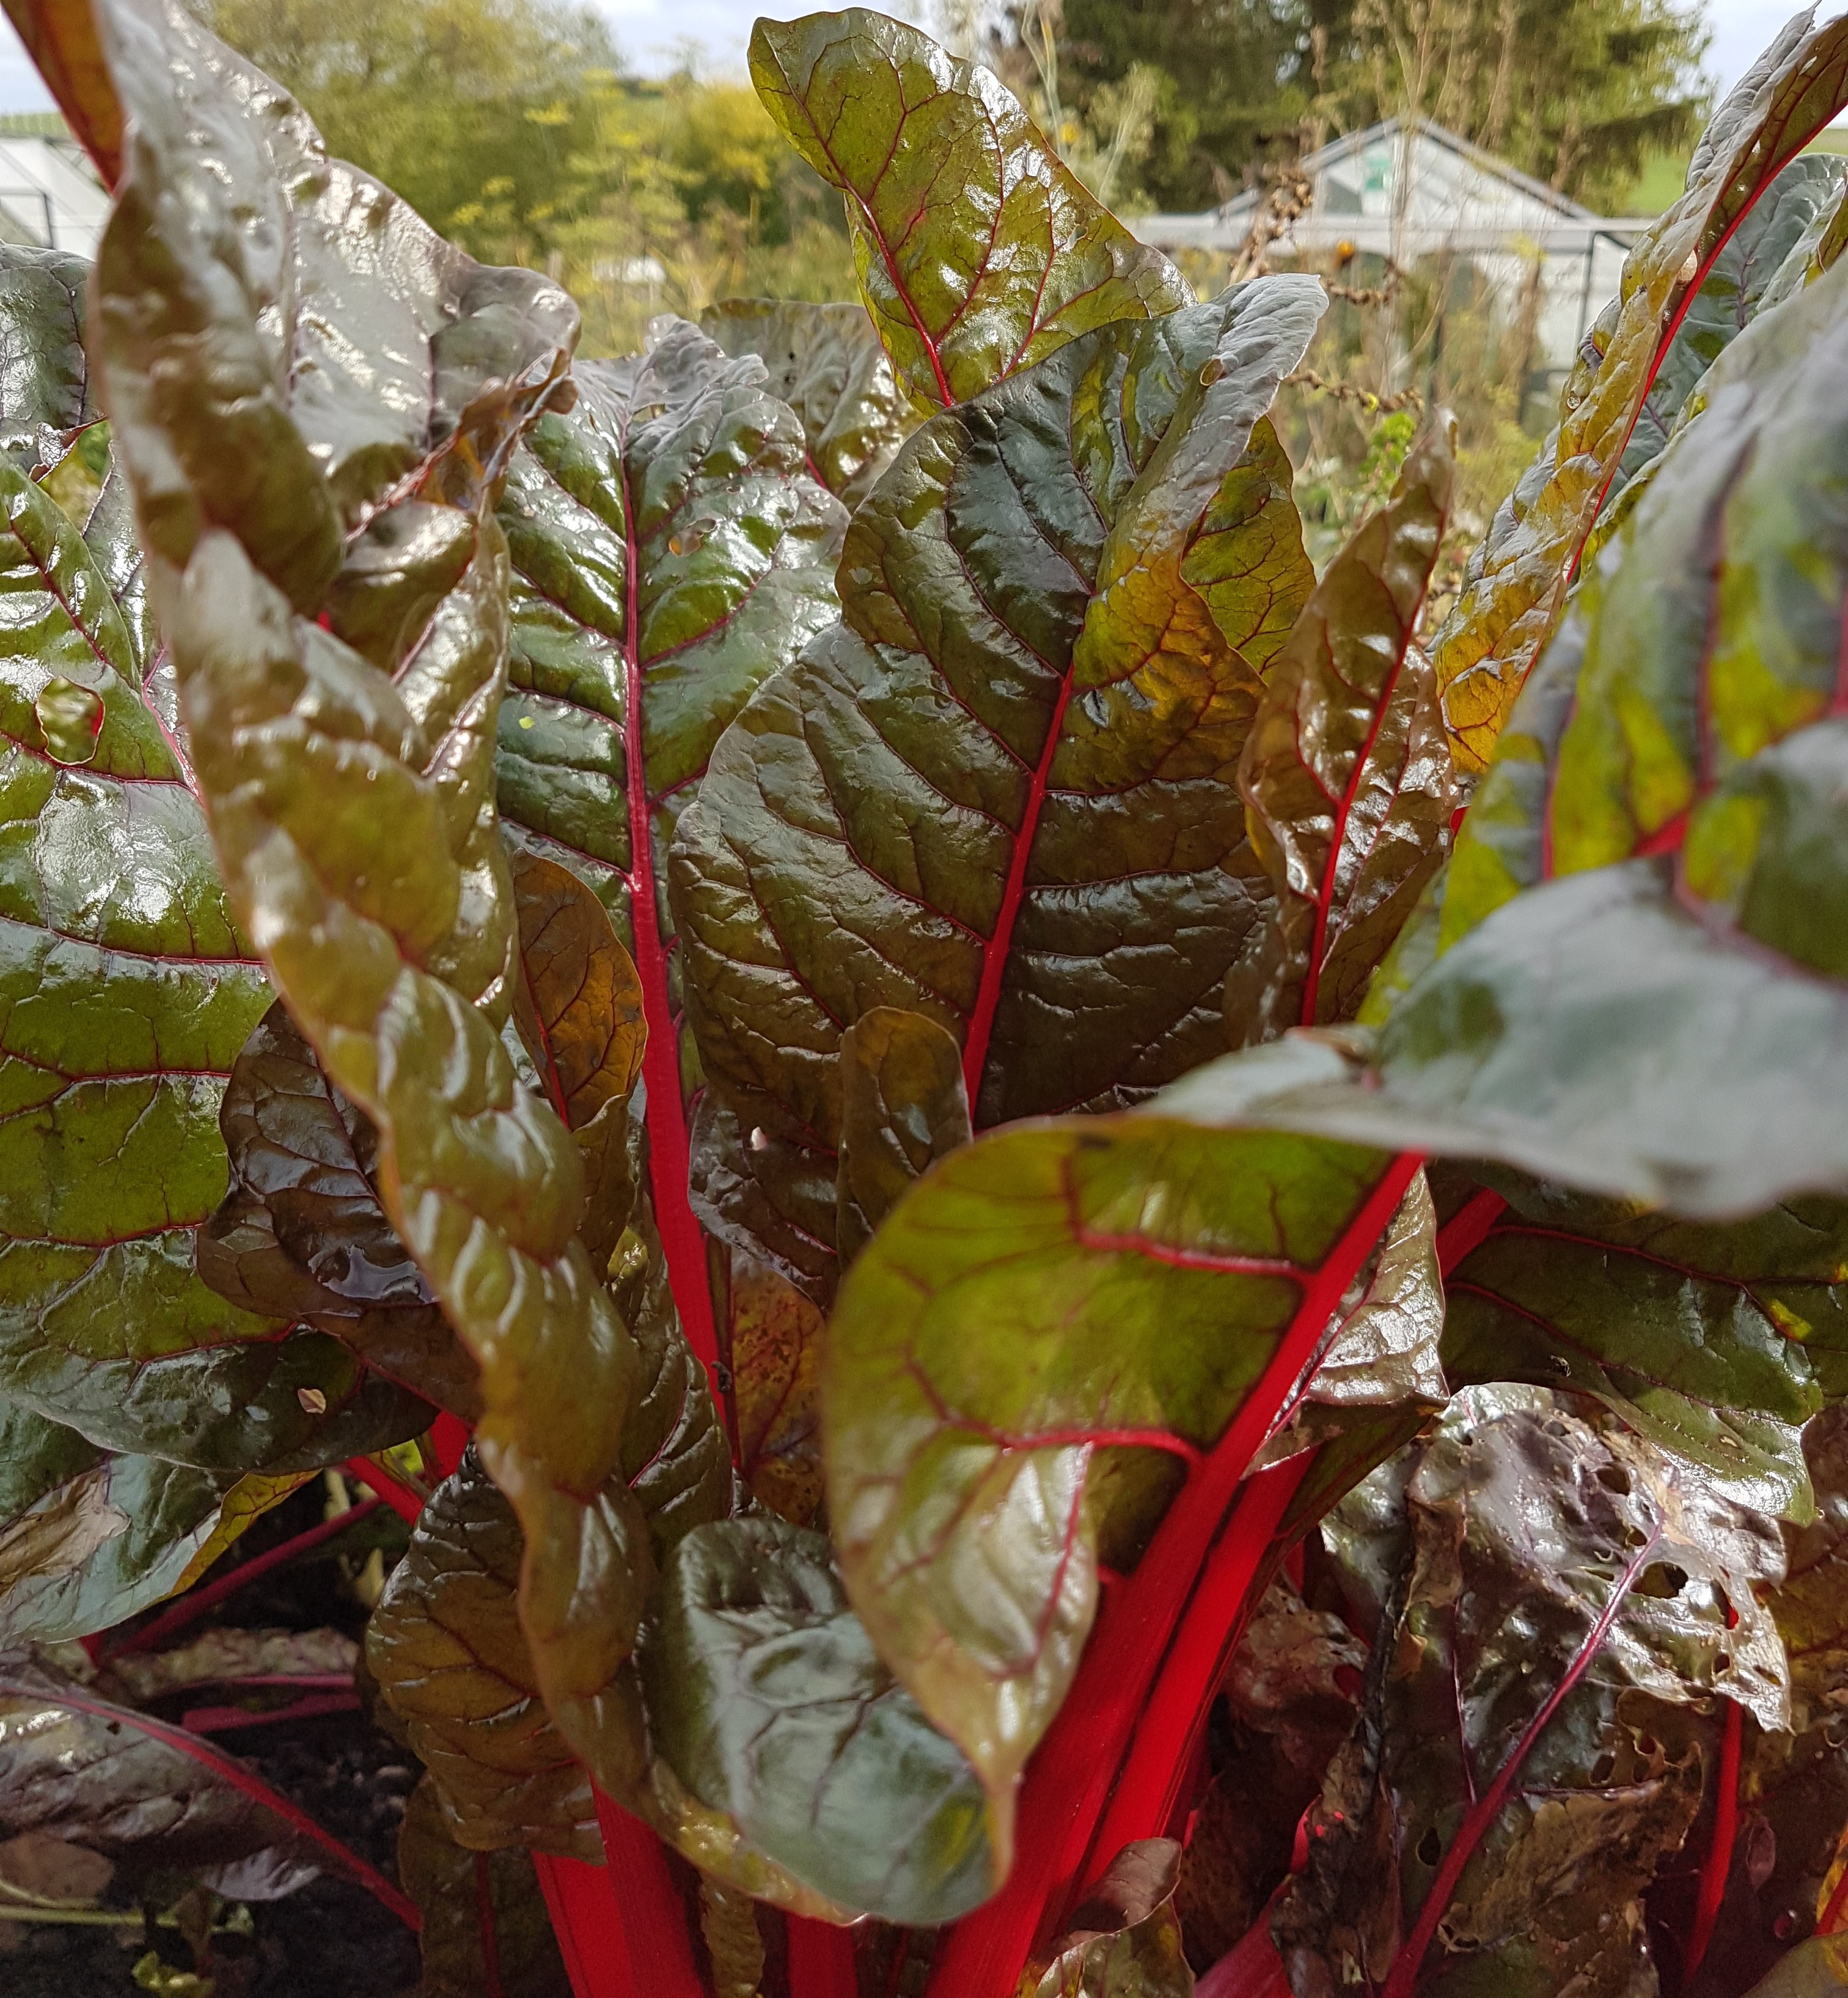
(330, 1939)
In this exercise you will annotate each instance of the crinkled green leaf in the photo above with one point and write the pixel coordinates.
(978, 249)
(1345, 772)
(1688, 1357)
(44, 379)
(998, 794)
(303, 1234)
(670, 552)
(1124, 1938)
(446, 1648)
(1534, 1742)
(766, 1695)
(903, 1105)
(126, 989)
(1060, 1328)
(1516, 582)
(89, 1536)
(826, 362)
(1786, 221)
(485, 1924)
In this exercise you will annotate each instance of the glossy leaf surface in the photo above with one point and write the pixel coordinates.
(303, 1233)
(999, 792)
(1563, 1622)
(670, 552)
(902, 1106)
(1511, 597)
(1056, 1330)
(485, 1925)
(826, 362)
(1125, 1941)
(446, 1648)
(978, 250)
(766, 1695)
(44, 379)
(1346, 772)
(128, 989)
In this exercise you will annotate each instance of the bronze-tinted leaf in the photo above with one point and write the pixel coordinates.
(978, 250)
(1125, 1939)
(446, 1648)
(903, 1105)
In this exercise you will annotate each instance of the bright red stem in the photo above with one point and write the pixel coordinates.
(198, 1601)
(821, 1961)
(378, 1473)
(1468, 1229)
(1252, 1968)
(348, 1864)
(682, 1241)
(589, 1928)
(1069, 1779)
(484, 1918)
(644, 1908)
(1402, 1980)
(1147, 1791)
(1719, 1862)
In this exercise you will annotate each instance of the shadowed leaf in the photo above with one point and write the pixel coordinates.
(826, 362)
(1125, 1940)
(903, 1105)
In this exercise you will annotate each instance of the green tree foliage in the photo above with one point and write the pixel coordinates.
(1575, 93)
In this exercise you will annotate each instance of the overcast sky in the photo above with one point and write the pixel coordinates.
(653, 33)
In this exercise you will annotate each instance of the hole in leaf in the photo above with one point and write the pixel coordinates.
(1662, 1579)
(70, 717)
(1431, 1847)
(1614, 1478)
(1603, 1769)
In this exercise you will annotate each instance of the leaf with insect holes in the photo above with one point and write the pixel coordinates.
(999, 792)
(1346, 772)
(978, 250)
(484, 1914)
(1511, 597)
(446, 1648)
(1556, 1641)
(826, 362)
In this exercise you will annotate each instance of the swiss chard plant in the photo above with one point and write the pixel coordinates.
(812, 997)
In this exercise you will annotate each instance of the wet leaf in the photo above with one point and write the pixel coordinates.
(1534, 1742)
(826, 362)
(44, 379)
(998, 794)
(479, 1910)
(978, 250)
(1516, 583)
(1345, 772)
(766, 1695)
(446, 1648)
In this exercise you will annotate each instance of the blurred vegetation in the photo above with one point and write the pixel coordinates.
(514, 126)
